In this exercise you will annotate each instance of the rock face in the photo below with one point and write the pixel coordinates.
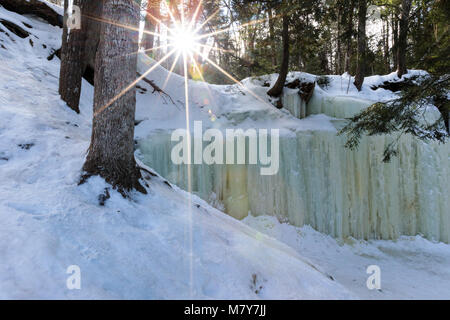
(297, 96)
(35, 7)
(306, 89)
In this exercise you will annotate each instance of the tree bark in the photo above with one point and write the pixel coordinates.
(78, 51)
(361, 66)
(402, 38)
(92, 31)
(338, 39)
(277, 89)
(111, 153)
(395, 39)
(349, 35)
(386, 46)
(63, 67)
(272, 37)
(71, 70)
(150, 23)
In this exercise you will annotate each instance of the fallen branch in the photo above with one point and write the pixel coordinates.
(156, 88)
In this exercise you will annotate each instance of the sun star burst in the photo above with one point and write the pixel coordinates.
(185, 40)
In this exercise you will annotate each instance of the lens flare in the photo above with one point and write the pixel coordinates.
(184, 39)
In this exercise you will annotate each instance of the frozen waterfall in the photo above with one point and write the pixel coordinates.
(320, 183)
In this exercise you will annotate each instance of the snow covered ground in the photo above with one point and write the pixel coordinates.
(411, 267)
(166, 244)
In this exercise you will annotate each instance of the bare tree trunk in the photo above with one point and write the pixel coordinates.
(72, 61)
(361, 67)
(92, 27)
(349, 35)
(111, 153)
(63, 67)
(78, 52)
(386, 47)
(323, 58)
(339, 38)
(277, 89)
(150, 23)
(394, 39)
(272, 37)
(402, 38)
(158, 43)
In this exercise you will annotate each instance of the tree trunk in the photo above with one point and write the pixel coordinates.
(111, 153)
(339, 38)
(361, 67)
(78, 51)
(64, 66)
(72, 63)
(394, 39)
(272, 37)
(150, 23)
(277, 89)
(386, 47)
(402, 38)
(92, 31)
(349, 35)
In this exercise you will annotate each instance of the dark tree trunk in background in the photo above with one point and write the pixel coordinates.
(150, 23)
(349, 35)
(339, 38)
(386, 46)
(395, 39)
(361, 67)
(92, 31)
(111, 153)
(272, 37)
(402, 38)
(78, 52)
(64, 67)
(277, 89)
(71, 70)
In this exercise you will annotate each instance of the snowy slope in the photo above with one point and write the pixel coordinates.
(156, 246)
